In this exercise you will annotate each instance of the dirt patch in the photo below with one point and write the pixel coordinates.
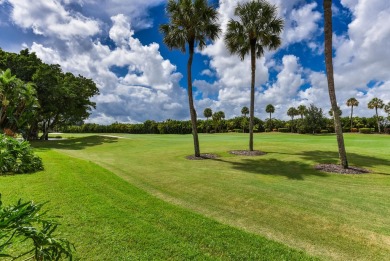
(335, 168)
(202, 156)
(247, 152)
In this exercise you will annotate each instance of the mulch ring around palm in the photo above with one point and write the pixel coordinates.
(247, 152)
(203, 156)
(336, 168)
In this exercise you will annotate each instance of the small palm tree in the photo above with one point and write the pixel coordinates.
(292, 112)
(257, 27)
(302, 110)
(352, 102)
(270, 109)
(376, 103)
(191, 22)
(328, 31)
(207, 113)
(244, 111)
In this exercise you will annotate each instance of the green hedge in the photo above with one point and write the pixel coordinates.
(365, 130)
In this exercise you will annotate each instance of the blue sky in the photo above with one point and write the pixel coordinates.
(118, 45)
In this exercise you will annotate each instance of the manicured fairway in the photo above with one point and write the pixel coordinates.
(278, 195)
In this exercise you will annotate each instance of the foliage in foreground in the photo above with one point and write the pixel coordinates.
(24, 222)
(17, 156)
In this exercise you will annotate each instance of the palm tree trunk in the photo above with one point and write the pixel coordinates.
(377, 119)
(351, 116)
(329, 70)
(191, 100)
(252, 105)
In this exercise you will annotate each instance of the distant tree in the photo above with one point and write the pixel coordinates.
(257, 27)
(352, 102)
(387, 108)
(292, 112)
(376, 104)
(217, 119)
(190, 23)
(207, 113)
(328, 31)
(314, 119)
(339, 111)
(302, 110)
(244, 111)
(270, 109)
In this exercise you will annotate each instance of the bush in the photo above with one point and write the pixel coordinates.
(283, 130)
(23, 222)
(324, 131)
(17, 156)
(365, 130)
(354, 130)
(387, 130)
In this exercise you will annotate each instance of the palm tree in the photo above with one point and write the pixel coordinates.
(292, 112)
(256, 29)
(376, 103)
(270, 109)
(329, 72)
(207, 113)
(244, 122)
(244, 111)
(191, 22)
(387, 108)
(217, 118)
(351, 103)
(302, 110)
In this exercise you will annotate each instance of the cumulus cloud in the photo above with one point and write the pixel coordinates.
(150, 88)
(50, 18)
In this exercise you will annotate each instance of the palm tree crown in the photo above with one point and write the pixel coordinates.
(376, 104)
(190, 22)
(351, 102)
(257, 25)
(244, 111)
(302, 110)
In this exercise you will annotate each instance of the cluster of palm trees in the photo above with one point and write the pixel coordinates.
(194, 22)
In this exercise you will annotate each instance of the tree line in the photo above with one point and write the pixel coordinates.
(36, 97)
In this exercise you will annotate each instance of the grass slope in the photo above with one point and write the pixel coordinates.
(109, 219)
(279, 195)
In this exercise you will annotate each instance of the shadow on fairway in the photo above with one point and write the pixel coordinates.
(363, 161)
(290, 169)
(74, 143)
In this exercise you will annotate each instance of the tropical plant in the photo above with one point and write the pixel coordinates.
(376, 104)
(302, 110)
(207, 113)
(387, 108)
(256, 29)
(292, 112)
(244, 111)
(190, 23)
(270, 109)
(352, 102)
(328, 31)
(17, 156)
(339, 112)
(217, 119)
(25, 222)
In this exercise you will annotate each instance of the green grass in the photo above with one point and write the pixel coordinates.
(278, 195)
(109, 219)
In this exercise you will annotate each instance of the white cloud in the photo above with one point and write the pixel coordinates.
(149, 90)
(50, 18)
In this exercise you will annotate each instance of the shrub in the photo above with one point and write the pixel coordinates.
(387, 130)
(283, 130)
(354, 130)
(346, 129)
(365, 130)
(324, 131)
(23, 222)
(17, 156)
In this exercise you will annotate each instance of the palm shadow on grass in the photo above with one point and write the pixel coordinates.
(74, 143)
(290, 169)
(354, 159)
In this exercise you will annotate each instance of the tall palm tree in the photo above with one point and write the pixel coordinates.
(292, 112)
(376, 103)
(329, 72)
(270, 109)
(191, 22)
(256, 29)
(207, 113)
(302, 110)
(244, 111)
(351, 103)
